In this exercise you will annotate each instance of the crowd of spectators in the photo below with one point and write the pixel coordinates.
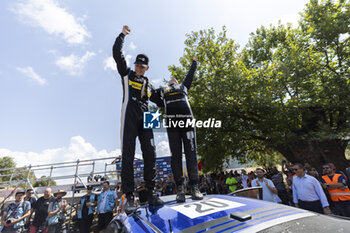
(301, 185)
(328, 195)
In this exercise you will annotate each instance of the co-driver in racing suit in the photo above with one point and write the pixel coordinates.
(177, 108)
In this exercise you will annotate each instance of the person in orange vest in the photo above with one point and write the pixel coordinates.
(336, 185)
(121, 203)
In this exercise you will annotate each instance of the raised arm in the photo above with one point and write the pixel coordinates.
(189, 77)
(118, 56)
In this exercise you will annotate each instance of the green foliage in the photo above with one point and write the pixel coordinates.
(287, 91)
(6, 163)
(43, 182)
(19, 174)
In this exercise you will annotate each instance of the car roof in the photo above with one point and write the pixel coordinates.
(213, 214)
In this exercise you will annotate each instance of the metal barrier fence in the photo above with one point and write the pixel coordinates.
(11, 185)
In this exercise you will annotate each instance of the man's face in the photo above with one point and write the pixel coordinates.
(173, 80)
(105, 186)
(89, 191)
(298, 171)
(47, 193)
(324, 168)
(313, 172)
(59, 196)
(260, 174)
(29, 193)
(327, 169)
(307, 166)
(140, 69)
(332, 167)
(18, 197)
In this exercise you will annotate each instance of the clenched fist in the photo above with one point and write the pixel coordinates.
(126, 30)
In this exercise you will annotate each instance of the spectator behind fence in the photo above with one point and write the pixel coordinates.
(244, 179)
(231, 182)
(107, 202)
(277, 179)
(142, 193)
(307, 192)
(307, 168)
(86, 211)
(32, 200)
(169, 186)
(15, 213)
(29, 197)
(41, 209)
(251, 177)
(56, 216)
(268, 188)
(347, 170)
(336, 185)
(313, 172)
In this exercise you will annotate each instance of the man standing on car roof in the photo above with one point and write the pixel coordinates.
(173, 97)
(136, 92)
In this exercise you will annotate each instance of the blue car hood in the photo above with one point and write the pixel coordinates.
(212, 214)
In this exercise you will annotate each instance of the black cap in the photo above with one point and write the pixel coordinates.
(20, 192)
(142, 59)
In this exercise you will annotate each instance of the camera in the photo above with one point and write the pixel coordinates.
(41, 229)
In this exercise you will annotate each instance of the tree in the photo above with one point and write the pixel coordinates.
(43, 182)
(19, 174)
(286, 91)
(6, 163)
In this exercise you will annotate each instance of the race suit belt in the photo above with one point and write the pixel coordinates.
(175, 100)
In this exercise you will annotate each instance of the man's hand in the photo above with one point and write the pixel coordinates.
(9, 224)
(266, 183)
(326, 210)
(126, 30)
(257, 183)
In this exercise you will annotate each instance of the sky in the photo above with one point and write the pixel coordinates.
(60, 93)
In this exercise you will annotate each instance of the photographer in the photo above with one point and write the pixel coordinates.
(14, 215)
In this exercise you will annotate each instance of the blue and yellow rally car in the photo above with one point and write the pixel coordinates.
(225, 213)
